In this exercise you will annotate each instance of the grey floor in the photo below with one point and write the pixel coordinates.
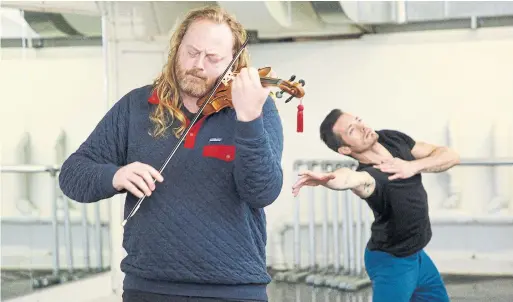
(461, 289)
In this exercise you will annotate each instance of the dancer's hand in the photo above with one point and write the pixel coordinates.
(400, 169)
(136, 178)
(309, 178)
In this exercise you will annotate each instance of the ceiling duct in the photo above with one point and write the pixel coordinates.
(285, 19)
(443, 10)
(51, 25)
(393, 12)
(268, 20)
(72, 7)
(60, 19)
(331, 12)
(397, 16)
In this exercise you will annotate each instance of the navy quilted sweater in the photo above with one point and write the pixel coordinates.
(202, 232)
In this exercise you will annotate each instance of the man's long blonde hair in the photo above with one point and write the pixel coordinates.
(166, 86)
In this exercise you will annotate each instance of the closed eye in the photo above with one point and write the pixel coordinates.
(214, 58)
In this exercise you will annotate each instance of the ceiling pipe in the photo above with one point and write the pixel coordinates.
(400, 11)
(473, 22)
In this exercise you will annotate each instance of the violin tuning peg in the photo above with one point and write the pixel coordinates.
(279, 94)
(302, 82)
(292, 78)
(289, 99)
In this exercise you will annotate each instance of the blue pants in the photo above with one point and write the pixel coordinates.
(412, 278)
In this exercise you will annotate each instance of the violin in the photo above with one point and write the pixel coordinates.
(222, 97)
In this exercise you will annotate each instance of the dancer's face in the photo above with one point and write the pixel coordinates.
(355, 133)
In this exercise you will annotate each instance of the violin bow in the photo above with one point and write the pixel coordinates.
(200, 111)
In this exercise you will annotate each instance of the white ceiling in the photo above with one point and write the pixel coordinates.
(271, 19)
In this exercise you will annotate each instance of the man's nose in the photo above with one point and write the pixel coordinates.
(199, 62)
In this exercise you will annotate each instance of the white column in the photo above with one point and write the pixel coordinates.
(133, 59)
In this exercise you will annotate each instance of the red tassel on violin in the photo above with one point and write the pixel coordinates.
(300, 109)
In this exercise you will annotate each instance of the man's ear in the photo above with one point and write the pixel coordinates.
(344, 150)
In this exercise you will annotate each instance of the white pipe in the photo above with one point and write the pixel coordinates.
(499, 161)
(350, 222)
(473, 22)
(86, 245)
(297, 239)
(491, 161)
(276, 240)
(23, 36)
(367, 220)
(400, 11)
(345, 230)
(97, 213)
(325, 250)
(55, 225)
(60, 153)
(312, 227)
(29, 169)
(25, 205)
(336, 226)
(358, 236)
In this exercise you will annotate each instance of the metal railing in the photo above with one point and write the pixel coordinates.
(58, 275)
(504, 161)
(350, 232)
(344, 267)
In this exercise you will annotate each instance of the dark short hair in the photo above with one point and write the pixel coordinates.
(333, 140)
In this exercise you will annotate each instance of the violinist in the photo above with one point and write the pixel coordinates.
(201, 232)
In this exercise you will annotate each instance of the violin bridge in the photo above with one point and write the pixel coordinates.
(227, 78)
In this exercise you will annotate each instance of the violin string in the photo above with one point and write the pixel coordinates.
(191, 124)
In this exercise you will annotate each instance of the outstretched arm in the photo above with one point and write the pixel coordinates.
(361, 183)
(433, 159)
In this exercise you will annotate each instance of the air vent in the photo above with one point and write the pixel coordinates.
(50, 24)
(331, 12)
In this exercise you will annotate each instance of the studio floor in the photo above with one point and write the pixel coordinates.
(461, 289)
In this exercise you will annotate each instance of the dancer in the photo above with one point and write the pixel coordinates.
(201, 232)
(388, 178)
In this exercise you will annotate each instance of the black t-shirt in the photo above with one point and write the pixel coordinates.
(401, 226)
(189, 115)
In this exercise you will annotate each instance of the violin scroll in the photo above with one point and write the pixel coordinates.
(294, 89)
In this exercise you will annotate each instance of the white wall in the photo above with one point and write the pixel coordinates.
(43, 92)
(418, 83)
(414, 82)
(48, 90)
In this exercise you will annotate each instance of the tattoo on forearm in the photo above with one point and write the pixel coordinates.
(438, 168)
(440, 154)
(367, 186)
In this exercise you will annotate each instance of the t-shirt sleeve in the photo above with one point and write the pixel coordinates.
(375, 200)
(405, 138)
